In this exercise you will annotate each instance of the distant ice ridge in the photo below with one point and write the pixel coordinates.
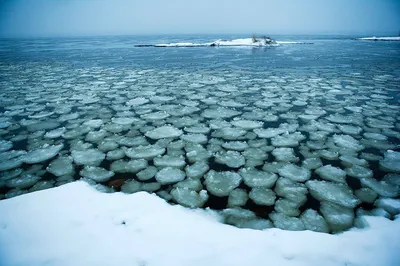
(374, 38)
(244, 42)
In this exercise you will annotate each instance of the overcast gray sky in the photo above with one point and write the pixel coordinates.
(25, 18)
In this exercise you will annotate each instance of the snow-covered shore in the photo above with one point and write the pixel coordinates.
(380, 38)
(76, 225)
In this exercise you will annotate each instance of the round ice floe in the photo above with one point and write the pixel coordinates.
(61, 166)
(262, 196)
(4, 124)
(11, 159)
(314, 221)
(338, 118)
(230, 158)
(131, 186)
(169, 161)
(97, 174)
(96, 136)
(197, 170)
(190, 183)
(375, 136)
(238, 197)
(392, 178)
(247, 124)
(338, 217)
(351, 130)
(336, 193)
(132, 141)
(359, 172)
(94, 123)
(285, 155)
(312, 163)
(256, 178)
(328, 154)
(155, 116)
(147, 173)
(196, 153)
(24, 181)
(391, 162)
(55, 133)
(291, 190)
(145, 152)
(268, 132)
(107, 145)
(151, 186)
(164, 132)
(229, 133)
(287, 207)
(132, 166)
(295, 173)
(285, 222)
(256, 224)
(195, 138)
(41, 185)
(284, 141)
(4, 176)
(349, 160)
(236, 215)
(348, 142)
(220, 112)
(331, 173)
(366, 194)
(235, 145)
(162, 98)
(43, 154)
(137, 101)
(189, 198)
(201, 129)
(222, 183)
(92, 157)
(170, 175)
(44, 125)
(5, 145)
(115, 154)
(383, 188)
(123, 120)
(392, 206)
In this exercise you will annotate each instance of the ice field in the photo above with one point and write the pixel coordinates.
(295, 137)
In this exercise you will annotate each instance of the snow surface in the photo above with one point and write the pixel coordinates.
(76, 225)
(397, 38)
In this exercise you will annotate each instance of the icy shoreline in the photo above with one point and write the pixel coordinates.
(397, 38)
(76, 225)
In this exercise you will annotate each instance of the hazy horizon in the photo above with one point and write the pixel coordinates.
(46, 18)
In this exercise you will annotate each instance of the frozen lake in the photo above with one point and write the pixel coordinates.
(295, 136)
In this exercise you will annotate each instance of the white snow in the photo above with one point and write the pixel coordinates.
(60, 229)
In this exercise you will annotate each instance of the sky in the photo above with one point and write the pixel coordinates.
(39, 18)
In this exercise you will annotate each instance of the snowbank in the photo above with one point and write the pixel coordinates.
(77, 225)
(380, 38)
